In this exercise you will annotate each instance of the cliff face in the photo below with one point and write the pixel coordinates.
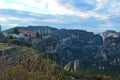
(71, 44)
(111, 47)
(75, 49)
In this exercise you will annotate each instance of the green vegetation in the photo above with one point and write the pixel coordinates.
(38, 68)
(38, 35)
(3, 45)
(16, 31)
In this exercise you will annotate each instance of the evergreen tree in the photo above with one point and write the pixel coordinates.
(38, 35)
(16, 31)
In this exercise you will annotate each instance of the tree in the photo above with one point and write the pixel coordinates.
(16, 31)
(38, 35)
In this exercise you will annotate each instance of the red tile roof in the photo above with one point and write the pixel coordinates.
(28, 33)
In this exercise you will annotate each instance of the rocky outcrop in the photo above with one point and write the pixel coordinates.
(72, 66)
(109, 33)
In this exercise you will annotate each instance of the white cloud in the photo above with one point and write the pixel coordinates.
(101, 4)
(34, 3)
(102, 11)
(5, 5)
(115, 8)
(52, 7)
(3, 19)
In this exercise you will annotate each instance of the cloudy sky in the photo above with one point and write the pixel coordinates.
(90, 15)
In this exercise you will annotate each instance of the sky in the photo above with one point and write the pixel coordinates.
(90, 15)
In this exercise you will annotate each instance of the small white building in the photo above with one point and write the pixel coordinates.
(17, 35)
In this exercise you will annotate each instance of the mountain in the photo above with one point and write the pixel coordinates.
(71, 44)
(77, 51)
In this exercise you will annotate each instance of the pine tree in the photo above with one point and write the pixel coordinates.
(16, 31)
